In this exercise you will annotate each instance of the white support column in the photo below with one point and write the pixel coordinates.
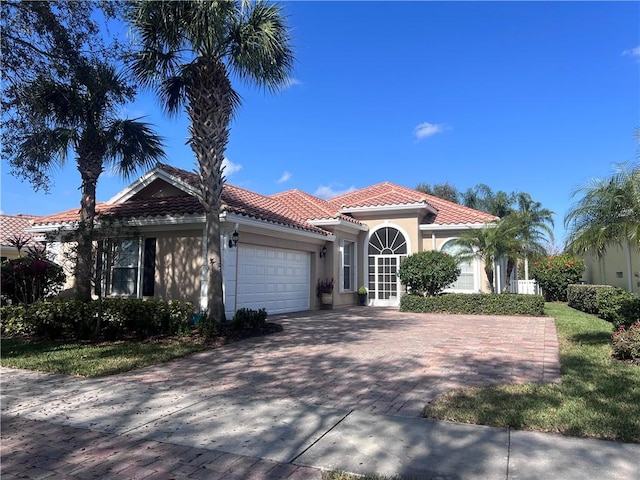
(204, 278)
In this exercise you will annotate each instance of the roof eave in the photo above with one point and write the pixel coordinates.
(251, 221)
(338, 222)
(453, 226)
(390, 208)
(146, 180)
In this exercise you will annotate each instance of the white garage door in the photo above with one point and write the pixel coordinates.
(273, 278)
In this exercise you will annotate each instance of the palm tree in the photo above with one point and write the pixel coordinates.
(533, 224)
(607, 213)
(188, 49)
(495, 240)
(80, 115)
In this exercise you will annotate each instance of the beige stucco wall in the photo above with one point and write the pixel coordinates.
(612, 269)
(178, 270)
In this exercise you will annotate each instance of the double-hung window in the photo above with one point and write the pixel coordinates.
(125, 264)
(348, 250)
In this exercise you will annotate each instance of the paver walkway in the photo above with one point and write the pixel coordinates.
(258, 408)
(370, 359)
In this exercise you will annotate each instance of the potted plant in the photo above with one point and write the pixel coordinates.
(362, 295)
(325, 292)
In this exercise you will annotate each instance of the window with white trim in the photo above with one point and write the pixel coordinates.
(466, 281)
(348, 254)
(124, 269)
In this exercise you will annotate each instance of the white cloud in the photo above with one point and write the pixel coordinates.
(229, 168)
(285, 176)
(427, 129)
(330, 191)
(633, 52)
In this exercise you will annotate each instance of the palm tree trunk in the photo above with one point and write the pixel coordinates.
(89, 172)
(210, 108)
(489, 272)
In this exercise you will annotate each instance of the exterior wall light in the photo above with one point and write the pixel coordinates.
(233, 241)
(323, 251)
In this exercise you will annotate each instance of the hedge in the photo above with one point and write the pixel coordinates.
(74, 320)
(585, 297)
(475, 304)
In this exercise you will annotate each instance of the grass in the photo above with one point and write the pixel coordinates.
(597, 397)
(91, 360)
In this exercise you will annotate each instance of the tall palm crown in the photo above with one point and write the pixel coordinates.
(187, 51)
(489, 243)
(81, 116)
(533, 224)
(607, 213)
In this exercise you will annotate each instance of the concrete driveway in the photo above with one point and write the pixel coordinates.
(373, 360)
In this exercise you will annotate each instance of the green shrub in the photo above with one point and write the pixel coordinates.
(626, 342)
(246, 318)
(75, 320)
(555, 273)
(29, 279)
(618, 306)
(208, 325)
(585, 297)
(475, 304)
(429, 272)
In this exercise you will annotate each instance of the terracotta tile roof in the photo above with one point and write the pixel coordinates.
(234, 200)
(191, 178)
(310, 207)
(244, 202)
(15, 225)
(452, 213)
(378, 195)
(387, 193)
(292, 208)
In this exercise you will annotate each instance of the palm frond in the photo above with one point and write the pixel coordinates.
(133, 145)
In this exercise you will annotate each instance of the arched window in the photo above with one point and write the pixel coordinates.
(467, 280)
(387, 241)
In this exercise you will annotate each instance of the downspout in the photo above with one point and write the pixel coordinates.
(630, 273)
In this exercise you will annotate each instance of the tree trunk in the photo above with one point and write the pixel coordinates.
(211, 102)
(489, 272)
(90, 156)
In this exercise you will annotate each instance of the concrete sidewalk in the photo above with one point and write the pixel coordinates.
(55, 426)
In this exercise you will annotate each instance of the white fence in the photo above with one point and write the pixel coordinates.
(529, 287)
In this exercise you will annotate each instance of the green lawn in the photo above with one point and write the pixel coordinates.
(89, 360)
(598, 397)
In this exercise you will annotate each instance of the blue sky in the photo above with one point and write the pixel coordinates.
(523, 96)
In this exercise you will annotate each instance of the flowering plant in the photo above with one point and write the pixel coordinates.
(325, 286)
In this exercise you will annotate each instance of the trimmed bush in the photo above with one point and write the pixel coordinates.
(245, 318)
(74, 320)
(626, 342)
(475, 304)
(585, 297)
(29, 279)
(429, 272)
(555, 273)
(618, 306)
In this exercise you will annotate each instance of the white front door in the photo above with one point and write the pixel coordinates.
(384, 284)
(387, 249)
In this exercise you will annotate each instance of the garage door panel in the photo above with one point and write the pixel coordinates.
(273, 278)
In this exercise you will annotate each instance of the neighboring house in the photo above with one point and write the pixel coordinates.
(286, 242)
(619, 267)
(12, 228)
